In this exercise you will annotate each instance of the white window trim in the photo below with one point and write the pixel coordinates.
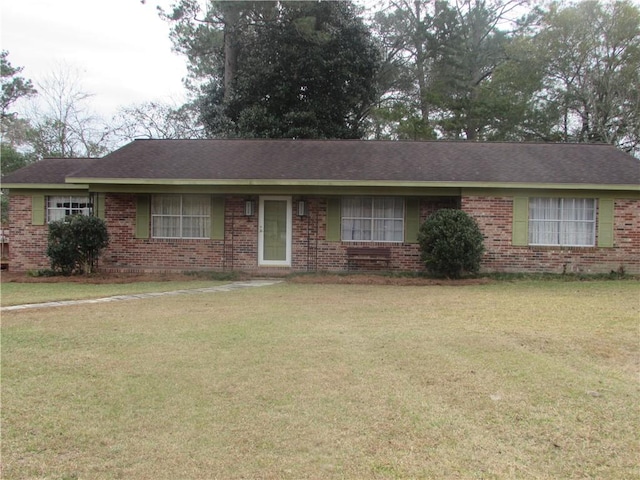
(564, 221)
(181, 216)
(87, 210)
(373, 219)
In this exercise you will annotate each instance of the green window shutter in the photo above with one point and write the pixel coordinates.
(98, 208)
(411, 220)
(520, 221)
(334, 220)
(605, 222)
(143, 214)
(217, 218)
(37, 210)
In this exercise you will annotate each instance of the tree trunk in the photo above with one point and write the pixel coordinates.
(231, 19)
(421, 60)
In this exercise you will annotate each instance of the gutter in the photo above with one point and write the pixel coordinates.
(345, 184)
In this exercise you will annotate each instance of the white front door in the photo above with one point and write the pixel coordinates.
(274, 238)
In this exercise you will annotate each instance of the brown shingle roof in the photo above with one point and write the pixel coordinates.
(349, 161)
(49, 170)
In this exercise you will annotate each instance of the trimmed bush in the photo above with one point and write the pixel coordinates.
(451, 243)
(75, 243)
(61, 248)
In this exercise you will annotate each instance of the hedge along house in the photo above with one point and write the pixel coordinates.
(268, 206)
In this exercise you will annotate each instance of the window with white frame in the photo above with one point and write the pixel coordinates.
(372, 219)
(181, 216)
(562, 221)
(60, 207)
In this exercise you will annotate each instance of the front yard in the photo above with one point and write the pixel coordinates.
(503, 380)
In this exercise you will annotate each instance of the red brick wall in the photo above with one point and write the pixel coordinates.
(125, 252)
(240, 236)
(404, 256)
(493, 215)
(28, 242)
(310, 249)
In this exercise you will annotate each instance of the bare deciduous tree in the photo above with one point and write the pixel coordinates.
(157, 120)
(62, 122)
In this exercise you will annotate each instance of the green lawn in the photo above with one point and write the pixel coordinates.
(506, 380)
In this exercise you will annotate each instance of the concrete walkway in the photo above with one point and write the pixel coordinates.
(137, 296)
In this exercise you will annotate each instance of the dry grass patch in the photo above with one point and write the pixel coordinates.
(524, 380)
(27, 293)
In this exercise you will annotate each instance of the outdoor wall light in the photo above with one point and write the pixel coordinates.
(249, 208)
(302, 208)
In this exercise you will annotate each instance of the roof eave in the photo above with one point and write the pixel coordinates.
(85, 182)
(45, 186)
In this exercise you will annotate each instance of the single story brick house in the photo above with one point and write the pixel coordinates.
(268, 206)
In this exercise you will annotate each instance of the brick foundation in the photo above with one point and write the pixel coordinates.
(310, 249)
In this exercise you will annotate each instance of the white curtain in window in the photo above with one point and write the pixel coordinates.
(562, 221)
(388, 230)
(356, 207)
(578, 222)
(196, 216)
(388, 223)
(165, 205)
(165, 215)
(181, 216)
(55, 208)
(544, 221)
(195, 205)
(354, 224)
(356, 229)
(379, 219)
(166, 227)
(59, 207)
(387, 207)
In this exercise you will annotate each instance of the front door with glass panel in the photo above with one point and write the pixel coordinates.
(274, 241)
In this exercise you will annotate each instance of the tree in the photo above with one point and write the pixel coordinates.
(11, 160)
(12, 128)
(310, 75)
(13, 86)
(299, 69)
(461, 62)
(592, 55)
(415, 35)
(62, 124)
(158, 120)
(13, 132)
(211, 39)
(468, 91)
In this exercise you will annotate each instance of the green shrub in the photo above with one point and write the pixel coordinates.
(61, 247)
(451, 243)
(75, 243)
